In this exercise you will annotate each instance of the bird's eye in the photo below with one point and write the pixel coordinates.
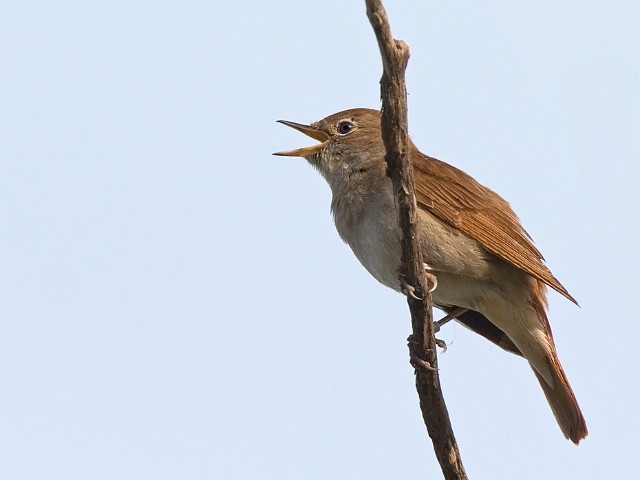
(345, 127)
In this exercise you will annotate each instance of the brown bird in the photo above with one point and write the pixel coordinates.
(490, 276)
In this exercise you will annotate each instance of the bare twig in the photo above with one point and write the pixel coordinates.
(395, 55)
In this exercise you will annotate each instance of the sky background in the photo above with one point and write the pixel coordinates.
(175, 302)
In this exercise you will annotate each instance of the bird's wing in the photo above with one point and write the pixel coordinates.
(460, 201)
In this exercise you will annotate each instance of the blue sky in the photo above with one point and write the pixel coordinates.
(176, 302)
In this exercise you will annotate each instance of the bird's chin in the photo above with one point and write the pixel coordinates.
(316, 161)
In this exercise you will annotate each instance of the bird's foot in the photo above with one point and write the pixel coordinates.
(405, 288)
(432, 280)
(409, 290)
(417, 362)
(439, 343)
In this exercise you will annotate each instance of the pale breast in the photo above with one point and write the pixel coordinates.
(368, 228)
(457, 260)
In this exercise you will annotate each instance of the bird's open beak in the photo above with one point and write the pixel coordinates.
(307, 130)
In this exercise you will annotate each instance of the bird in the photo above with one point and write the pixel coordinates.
(490, 275)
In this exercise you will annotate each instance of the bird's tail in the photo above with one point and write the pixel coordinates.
(553, 380)
(530, 333)
(563, 401)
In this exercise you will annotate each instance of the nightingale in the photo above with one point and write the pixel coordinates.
(490, 276)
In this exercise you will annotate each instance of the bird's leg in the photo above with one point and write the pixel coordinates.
(437, 325)
(432, 283)
(454, 314)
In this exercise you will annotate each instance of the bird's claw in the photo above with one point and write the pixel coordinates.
(409, 290)
(442, 344)
(423, 364)
(432, 280)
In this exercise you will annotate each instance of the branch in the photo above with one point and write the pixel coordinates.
(395, 55)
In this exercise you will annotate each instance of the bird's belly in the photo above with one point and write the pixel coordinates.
(461, 265)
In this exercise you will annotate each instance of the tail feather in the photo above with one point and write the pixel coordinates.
(559, 394)
(527, 329)
(563, 403)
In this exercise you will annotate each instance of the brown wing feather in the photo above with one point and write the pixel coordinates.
(457, 199)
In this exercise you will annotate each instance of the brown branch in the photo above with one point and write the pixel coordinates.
(395, 55)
